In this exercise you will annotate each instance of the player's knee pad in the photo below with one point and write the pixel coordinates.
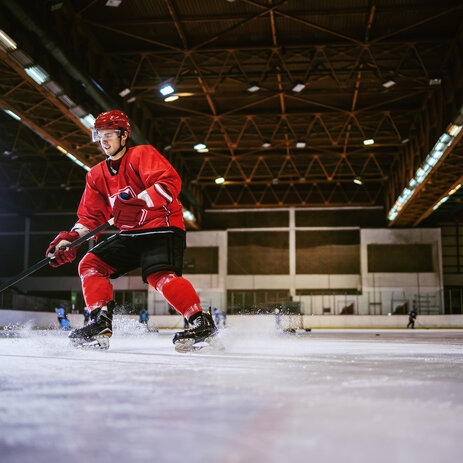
(92, 265)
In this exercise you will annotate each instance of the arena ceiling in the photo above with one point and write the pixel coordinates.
(283, 93)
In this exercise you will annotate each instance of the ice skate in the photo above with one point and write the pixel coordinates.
(96, 334)
(203, 334)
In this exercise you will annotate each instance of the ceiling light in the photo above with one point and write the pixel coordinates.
(188, 215)
(113, 3)
(298, 87)
(266, 144)
(442, 201)
(88, 121)
(6, 42)
(204, 150)
(12, 114)
(171, 98)
(358, 181)
(301, 144)
(431, 160)
(37, 74)
(131, 99)
(219, 180)
(61, 149)
(66, 100)
(78, 111)
(389, 83)
(166, 90)
(79, 163)
(405, 140)
(199, 146)
(435, 81)
(253, 88)
(21, 58)
(454, 190)
(454, 130)
(124, 92)
(274, 181)
(368, 141)
(167, 147)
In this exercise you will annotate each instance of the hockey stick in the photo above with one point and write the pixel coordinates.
(45, 261)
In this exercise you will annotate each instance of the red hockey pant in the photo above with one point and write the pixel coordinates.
(98, 291)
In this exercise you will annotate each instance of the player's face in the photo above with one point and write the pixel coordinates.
(110, 141)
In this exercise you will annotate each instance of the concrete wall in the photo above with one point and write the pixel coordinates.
(380, 292)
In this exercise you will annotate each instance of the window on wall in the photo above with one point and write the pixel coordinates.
(400, 258)
(256, 301)
(201, 260)
(258, 253)
(452, 247)
(332, 252)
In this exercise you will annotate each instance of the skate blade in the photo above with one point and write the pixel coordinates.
(184, 345)
(97, 343)
(209, 344)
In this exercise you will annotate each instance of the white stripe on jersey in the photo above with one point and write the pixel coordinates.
(163, 193)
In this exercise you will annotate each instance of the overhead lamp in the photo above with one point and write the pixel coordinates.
(188, 215)
(171, 98)
(298, 87)
(358, 181)
(274, 181)
(405, 140)
(266, 144)
(253, 87)
(131, 99)
(66, 100)
(166, 89)
(6, 42)
(60, 148)
(368, 141)
(219, 180)
(454, 190)
(88, 121)
(167, 147)
(435, 81)
(12, 114)
(454, 129)
(301, 144)
(199, 146)
(389, 83)
(431, 160)
(442, 201)
(75, 160)
(37, 74)
(113, 3)
(124, 92)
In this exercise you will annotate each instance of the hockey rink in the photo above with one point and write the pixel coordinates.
(320, 396)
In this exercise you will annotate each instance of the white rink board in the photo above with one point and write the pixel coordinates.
(324, 396)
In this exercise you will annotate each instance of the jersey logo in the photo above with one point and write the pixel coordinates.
(127, 190)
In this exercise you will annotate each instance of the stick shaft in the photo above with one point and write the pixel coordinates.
(45, 261)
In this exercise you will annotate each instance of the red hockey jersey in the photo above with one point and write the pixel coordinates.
(143, 172)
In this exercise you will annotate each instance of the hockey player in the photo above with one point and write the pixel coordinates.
(140, 188)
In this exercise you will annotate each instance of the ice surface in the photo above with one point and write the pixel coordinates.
(324, 396)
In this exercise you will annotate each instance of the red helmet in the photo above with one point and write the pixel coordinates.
(113, 120)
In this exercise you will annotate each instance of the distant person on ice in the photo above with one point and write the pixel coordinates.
(60, 313)
(144, 316)
(140, 188)
(411, 319)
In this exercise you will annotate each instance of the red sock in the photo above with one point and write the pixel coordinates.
(94, 274)
(179, 292)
